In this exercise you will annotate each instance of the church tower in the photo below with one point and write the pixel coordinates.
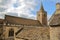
(42, 16)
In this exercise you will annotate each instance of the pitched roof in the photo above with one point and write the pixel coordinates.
(1, 21)
(42, 8)
(22, 21)
(32, 32)
(55, 20)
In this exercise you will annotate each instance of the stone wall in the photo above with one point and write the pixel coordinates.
(30, 33)
(54, 33)
(6, 31)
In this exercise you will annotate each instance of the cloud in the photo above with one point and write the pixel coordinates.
(12, 14)
(2, 16)
(58, 1)
(23, 8)
(4, 6)
(2, 9)
(48, 16)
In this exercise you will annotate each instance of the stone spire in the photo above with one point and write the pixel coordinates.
(42, 16)
(41, 8)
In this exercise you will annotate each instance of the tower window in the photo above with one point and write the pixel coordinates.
(44, 14)
(38, 14)
(11, 33)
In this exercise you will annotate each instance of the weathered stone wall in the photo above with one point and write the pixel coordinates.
(54, 33)
(31, 33)
(6, 31)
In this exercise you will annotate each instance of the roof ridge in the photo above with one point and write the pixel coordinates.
(20, 17)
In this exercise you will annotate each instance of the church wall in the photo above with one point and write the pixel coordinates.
(57, 12)
(6, 31)
(54, 33)
(31, 33)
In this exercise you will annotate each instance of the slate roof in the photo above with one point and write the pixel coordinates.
(1, 21)
(32, 32)
(55, 20)
(22, 21)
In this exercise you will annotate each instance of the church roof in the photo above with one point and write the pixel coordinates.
(42, 8)
(32, 32)
(1, 21)
(55, 20)
(57, 3)
(21, 21)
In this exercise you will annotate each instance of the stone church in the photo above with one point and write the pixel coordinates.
(17, 28)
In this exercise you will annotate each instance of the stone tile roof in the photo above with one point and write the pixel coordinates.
(33, 33)
(55, 20)
(1, 21)
(22, 21)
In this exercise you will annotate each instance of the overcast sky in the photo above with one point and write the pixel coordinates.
(26, 8)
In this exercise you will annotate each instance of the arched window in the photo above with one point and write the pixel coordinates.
(11, 32)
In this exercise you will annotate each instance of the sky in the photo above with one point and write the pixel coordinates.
(26, 8)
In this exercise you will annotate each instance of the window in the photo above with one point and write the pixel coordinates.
(11, 32)
(38, 14)
(44, 14)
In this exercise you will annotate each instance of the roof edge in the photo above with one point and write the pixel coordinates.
(19, 17)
